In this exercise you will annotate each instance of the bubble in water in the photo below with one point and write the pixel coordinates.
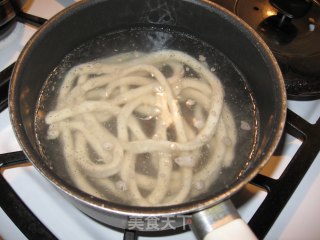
(173, 146)
(156, 137)
(164, 123)
(146, 118)
(202, 58)
(185, 161)
(121, 185)
(245, 126)
(190, 102)
(199, 185)
(158, 90)
(198, 123)
(177, 87)
(156, 111)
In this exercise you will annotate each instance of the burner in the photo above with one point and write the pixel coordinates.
(292, 31)
(291, 28)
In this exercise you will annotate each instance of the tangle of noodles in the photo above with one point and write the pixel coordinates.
(170, 90)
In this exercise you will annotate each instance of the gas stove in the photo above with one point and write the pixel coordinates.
(280, 203)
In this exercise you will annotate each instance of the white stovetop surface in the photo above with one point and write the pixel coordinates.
(299, 219)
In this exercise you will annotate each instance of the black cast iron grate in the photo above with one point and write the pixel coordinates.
(278, 191)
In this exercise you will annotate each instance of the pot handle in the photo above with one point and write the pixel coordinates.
(222, 222)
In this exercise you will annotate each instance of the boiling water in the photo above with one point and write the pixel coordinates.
(237, 96)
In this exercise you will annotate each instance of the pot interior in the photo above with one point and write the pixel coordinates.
(83, 21)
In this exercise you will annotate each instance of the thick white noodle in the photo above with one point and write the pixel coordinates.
(125, 92)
